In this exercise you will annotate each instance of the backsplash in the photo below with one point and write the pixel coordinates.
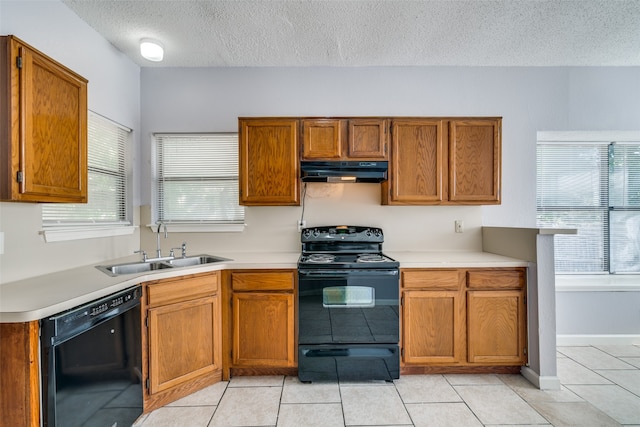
(274, 229)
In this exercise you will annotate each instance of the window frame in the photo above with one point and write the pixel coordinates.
(91, 228)
(603, 139)
(191, 226)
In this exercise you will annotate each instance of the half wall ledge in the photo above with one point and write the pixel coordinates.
(536, 246)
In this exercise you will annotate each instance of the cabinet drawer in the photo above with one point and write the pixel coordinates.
(496, 279)
(263, 280)
(183, 288)
(431, 279)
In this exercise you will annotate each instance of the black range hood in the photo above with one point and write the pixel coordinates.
(344, 171)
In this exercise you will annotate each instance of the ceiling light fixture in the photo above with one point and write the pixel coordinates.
(151, 50)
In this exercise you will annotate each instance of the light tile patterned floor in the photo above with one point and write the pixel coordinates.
(600, 387)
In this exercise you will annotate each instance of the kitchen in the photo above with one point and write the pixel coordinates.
(211, 99)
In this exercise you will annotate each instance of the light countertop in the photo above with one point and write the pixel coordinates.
(453, 259)
(43, 296)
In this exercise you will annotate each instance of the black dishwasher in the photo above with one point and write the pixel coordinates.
(91, 363)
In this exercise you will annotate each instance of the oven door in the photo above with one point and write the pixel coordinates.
(348, 306)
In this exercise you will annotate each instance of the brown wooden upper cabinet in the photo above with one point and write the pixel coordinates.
(269, 162)
(345, 139)
(322, 138)
(438, 161)
(43, 127)
(417, 163)
(474, 161)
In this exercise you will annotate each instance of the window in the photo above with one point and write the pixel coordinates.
(197, 182)
(594, 187)
(107, 211)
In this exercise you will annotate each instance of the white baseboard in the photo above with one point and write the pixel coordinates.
(542, 382)
(621, 339)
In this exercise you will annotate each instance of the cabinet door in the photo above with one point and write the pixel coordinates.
(19, 373)
(49, 130)
(474, 161)
(269, 164)
(322, 139)
(263, 330)
(367, 139)
(433, 327)
(416, 163)
(496, 331)
(184, 342)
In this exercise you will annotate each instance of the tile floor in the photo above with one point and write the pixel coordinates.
(600, 387)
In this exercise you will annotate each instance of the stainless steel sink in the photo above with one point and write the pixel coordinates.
(130, 268)
(149, 266)
(195, 260)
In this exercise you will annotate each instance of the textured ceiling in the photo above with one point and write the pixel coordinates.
(237, 33)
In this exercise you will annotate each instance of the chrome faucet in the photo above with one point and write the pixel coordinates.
(144, 254)
(183, 248)
(158, 250)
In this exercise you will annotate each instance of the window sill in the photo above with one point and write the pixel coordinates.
(598, 283)
(67, 234)
(200, 228)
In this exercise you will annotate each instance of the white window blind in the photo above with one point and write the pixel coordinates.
(197, 179)
(594, 187)
(624, 200)
(107, 181)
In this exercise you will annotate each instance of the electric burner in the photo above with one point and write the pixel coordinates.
(321, 258)
(371, 258)
(344, 247)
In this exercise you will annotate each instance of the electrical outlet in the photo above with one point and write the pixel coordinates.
(459, 226)
(301, 224)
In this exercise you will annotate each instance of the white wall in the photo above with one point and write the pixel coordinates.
(598, 313)
(529, 100)
(114, 92)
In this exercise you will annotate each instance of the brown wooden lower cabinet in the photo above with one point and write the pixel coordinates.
(182, 340)
(433, 327)
(19, 374)
(463, 320)
(495, 325)
(261, 333)
(262, 329)
(201, 328)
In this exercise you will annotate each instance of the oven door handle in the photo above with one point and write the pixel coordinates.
(347, 272)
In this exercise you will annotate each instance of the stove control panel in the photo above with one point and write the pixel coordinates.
(347, 233)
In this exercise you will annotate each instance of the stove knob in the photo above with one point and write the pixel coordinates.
(306, 233)
(316, 232)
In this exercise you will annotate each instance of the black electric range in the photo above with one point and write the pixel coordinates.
(348, 306)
